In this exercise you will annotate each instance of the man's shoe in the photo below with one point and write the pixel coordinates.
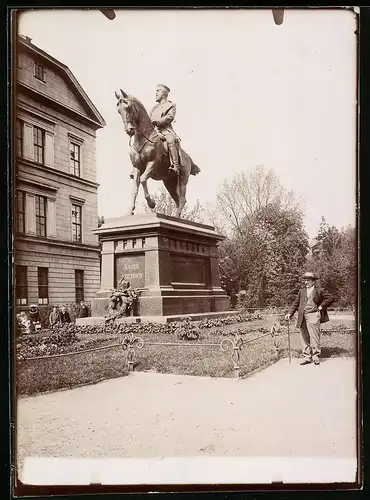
(305, 362)
(316, 361)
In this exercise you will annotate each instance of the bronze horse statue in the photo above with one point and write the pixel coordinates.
(149, 155)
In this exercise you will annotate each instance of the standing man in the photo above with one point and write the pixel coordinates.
(312, 303)
(162, 116)
(54, 317)
(83, 310)
(64, 315)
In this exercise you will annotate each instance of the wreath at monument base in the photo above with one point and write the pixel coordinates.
(123, 301)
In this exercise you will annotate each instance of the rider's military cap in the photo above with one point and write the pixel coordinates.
(164, 87)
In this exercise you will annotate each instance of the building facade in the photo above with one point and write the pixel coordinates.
(56, 255)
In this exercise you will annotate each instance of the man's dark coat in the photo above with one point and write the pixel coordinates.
(320, 297)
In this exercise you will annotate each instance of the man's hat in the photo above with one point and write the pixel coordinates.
(310, 276)
(164, 87)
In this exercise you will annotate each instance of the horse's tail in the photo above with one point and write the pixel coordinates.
(194, 169)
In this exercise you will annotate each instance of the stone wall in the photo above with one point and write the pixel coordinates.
(61, 263)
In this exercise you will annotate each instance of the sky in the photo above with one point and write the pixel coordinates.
(247, 92)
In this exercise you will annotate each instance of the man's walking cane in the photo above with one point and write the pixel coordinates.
(290, 357)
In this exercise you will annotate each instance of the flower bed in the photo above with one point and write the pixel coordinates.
(61, 340)
(52, 373)
(242, 331)
(73, 338)
(168, 328)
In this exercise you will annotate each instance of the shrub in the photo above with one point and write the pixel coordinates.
(189, 331)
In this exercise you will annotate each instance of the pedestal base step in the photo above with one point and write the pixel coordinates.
(98, 320)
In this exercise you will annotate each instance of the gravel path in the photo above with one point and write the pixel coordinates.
(286, 410)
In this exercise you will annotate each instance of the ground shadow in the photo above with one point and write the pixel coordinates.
(329, 352)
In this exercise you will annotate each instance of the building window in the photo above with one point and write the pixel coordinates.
(43, 284)
(19, 138)
(75, 159)
(40, 207)
(76, 223)
(39, 144)
(79, 284)
(20, 212)
(21, 288)
(39, 72)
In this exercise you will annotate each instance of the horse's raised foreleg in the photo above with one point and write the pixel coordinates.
(135, 190)
(143, 180)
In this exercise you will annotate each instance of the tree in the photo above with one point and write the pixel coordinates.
(266, 255)
(165, 205)
(249, 192)
(333, 258)
(216, 219)
(101, 221)
(266, 245)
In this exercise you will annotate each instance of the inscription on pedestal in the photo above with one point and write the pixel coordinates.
(132, 267)
(189, 270)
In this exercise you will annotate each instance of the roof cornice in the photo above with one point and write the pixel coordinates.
(68, 73)
(61, 104)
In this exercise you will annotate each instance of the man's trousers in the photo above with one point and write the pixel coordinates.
(310, 335)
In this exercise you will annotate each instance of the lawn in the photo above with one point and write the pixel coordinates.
(190, 358)
(50, 374)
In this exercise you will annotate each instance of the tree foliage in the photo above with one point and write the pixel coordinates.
(333, 258)
(266, 247)
(165, 205)
(265, 257)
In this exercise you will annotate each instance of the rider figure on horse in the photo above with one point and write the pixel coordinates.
(162, 116)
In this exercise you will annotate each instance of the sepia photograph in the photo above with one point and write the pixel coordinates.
(185, 242)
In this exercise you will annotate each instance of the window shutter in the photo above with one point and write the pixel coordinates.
(49, 149)
(30, 214)
(28, 142)
(51, 219)
(81, 162)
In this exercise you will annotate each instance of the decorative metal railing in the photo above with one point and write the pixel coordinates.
(232, 345)
(282, 310)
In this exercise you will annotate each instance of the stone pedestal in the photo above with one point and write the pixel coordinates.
(172, 261)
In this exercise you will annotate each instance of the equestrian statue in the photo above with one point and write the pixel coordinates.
(155, 150)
